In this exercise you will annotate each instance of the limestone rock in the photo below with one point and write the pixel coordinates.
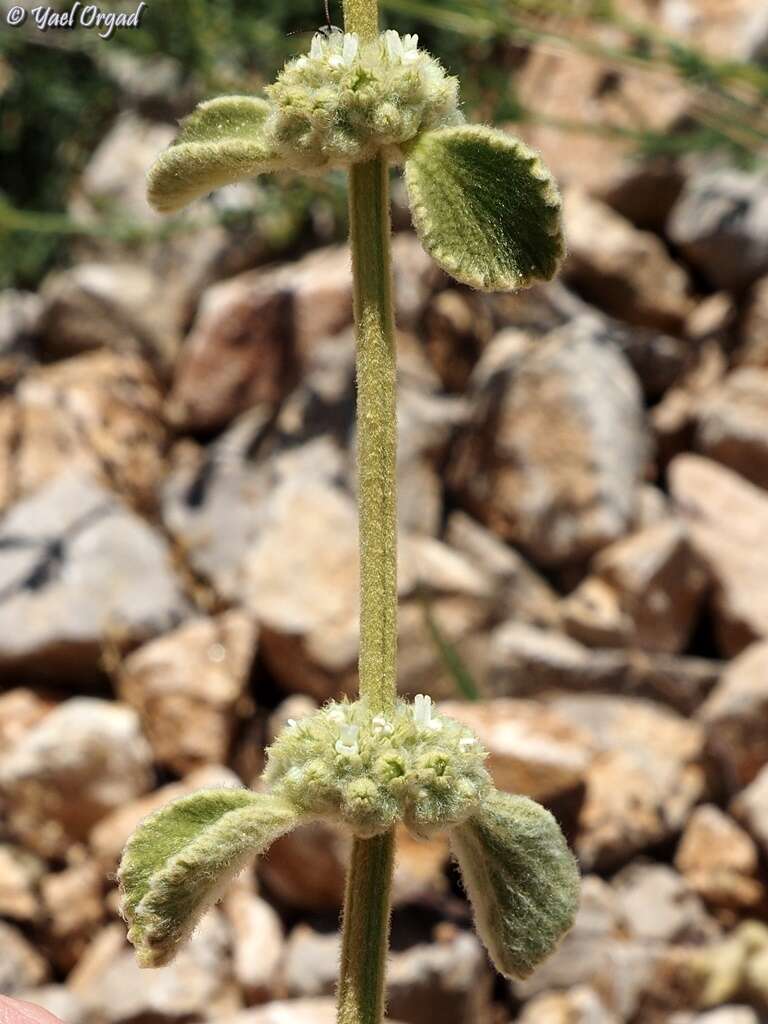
(727, 518)
(658, 583)
(189, 687)
(73, 901)
(196, 985)
(643, 781)
(753, 350)
(20, 875)
(290, 1011)
(735, 716)
(20, 966)
(532, 750)
(98, 413)
(118, 305)
(731, 425)
(58, 1000)
(306, 868)
(596, 953)
(20, 709)
(722, 1015)
(77, 569)
(750, 806)
(555, 449)
(578, 1005)
(657, 906)
(719, 860)
(626, 272)
(85, 759)
(257, 942)
(720, 223)
(419, 876)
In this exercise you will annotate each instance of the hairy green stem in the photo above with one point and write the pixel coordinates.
(366, 931)
(376, 432)
(369, 882)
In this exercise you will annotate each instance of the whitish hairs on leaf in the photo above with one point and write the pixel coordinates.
(485, 207)
(522, 880)
(180, 858)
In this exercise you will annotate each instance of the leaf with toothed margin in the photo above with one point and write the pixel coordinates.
(180, 858)
(522, 880)
(485, 207)
(219, 143)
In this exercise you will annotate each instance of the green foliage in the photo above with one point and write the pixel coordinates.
(521, 878)
(485, 207)
(180, 858)
(219, 143)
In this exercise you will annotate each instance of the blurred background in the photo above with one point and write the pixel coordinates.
(583, 508)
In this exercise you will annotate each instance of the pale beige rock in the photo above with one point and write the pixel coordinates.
(20, 709)
(112, 833)
(659, 585)
(626, 272)
(556, 447)
(240, 352)
(73, 901)
(719, 860)
(646, 774)
(735, 717)
(197, 984)
(311, 965)
(189, 688)
(257, 943)
(307, 867)
(722, 1015)
(85, 759)
(20, 875)
(597, 953)
(753, 350)
(21, 967)
(532, 750)
(656, 905)
(579, 1005)
(727, 520)
(750, 807)
(420, 875)
(81, 573)
(592, 614)
(732, 424)
(99, 413)
(123, 306)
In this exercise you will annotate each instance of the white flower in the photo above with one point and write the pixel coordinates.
(410, 49)
(382, 727)
(466, 742)
(393, 45)
(317, 47)
(336, 714)
(347, 742)
(422, 713)
(350, 47)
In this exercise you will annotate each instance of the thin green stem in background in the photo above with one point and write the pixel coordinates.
(369, 882)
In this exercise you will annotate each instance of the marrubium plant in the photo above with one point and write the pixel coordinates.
(488, 211)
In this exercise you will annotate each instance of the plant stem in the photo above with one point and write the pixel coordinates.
(366, 931)
(369, 881)
(376, 432)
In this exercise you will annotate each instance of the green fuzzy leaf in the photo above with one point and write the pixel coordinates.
(220, 142)
(485, 207)
(522, 880)
(180, 858)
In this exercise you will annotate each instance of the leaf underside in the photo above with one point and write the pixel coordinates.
(221, 142)
(180, 858)
(522, 880)
(485, 207)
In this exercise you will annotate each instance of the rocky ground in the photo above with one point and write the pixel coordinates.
(583, 507)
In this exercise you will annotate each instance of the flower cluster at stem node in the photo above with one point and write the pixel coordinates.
(368, 770)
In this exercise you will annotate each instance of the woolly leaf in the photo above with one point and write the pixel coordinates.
(522, 880)
(485, 207)
(180, 858)
(220, 142)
